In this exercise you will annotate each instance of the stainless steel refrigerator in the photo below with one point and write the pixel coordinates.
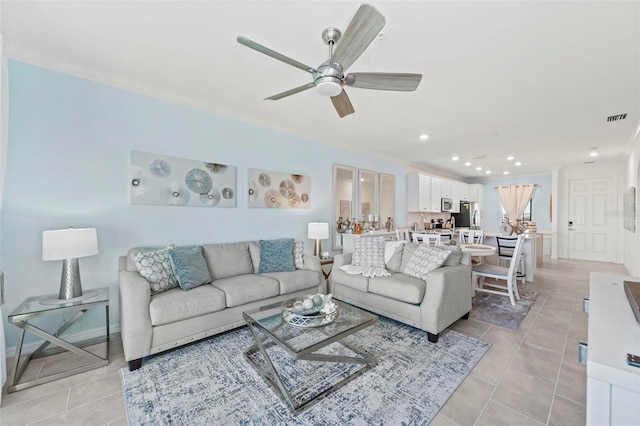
(468, 216)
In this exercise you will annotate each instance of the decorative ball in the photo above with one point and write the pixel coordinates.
(317, 300)
(298, 305)
(307, 304)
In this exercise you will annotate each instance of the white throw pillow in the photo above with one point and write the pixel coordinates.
(368, 251)
(424, 260)
(155, 267)
(298, 250)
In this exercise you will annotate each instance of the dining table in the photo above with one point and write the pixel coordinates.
(477, 250)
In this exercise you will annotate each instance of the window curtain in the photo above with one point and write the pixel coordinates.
(514, 199)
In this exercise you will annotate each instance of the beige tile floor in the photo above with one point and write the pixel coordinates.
(529, 376)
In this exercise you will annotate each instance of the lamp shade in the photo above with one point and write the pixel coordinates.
(318, 231)
(69, 243)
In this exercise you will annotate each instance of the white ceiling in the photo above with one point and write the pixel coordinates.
(532, 79)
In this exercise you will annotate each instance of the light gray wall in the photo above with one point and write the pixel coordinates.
(70, 142)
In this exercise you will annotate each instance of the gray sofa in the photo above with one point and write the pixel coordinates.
(154, 323)
(431, 305)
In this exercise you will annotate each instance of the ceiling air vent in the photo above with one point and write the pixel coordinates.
(616, 117)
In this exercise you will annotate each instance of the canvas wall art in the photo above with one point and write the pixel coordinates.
(278, 190)
(629, 220)
(170, 181)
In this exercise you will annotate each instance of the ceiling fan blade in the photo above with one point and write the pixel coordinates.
(342, 104)
(364, 27)
(384, 81)
(260, 48)
(290, 92)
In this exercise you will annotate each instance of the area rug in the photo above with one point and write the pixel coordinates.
(210, 382)
(498, 310)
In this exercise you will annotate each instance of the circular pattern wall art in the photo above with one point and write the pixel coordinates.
(283, 190)
(169, 181)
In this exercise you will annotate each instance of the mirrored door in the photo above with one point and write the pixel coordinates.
(368, 199)
(387, 200)
(344, 195)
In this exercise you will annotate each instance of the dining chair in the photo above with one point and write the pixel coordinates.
(473, 236)
(402, 234)
(431, 239)
(506, 246)
(500, 273)
(447, 237)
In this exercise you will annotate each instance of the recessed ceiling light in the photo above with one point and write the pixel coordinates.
(478, 168)
(455, 158)
(468, 163)
(593, 154)
(505, 172)
(424, 137)
(488, 172)
(510, 158)
(518, 163)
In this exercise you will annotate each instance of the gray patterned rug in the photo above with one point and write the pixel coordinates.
(498, 310)
(210, 382)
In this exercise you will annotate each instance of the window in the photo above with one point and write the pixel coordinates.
(526, 216)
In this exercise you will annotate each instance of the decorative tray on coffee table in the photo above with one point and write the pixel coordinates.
(318, 315)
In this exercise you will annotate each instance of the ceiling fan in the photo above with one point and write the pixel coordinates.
(329, 78)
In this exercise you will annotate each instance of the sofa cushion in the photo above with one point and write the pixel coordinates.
(399, 287)
(291, 282)
(407, 252)
(355, 281)
(276, 255)
(189, 266)
(243, 289)
(425, 259)
(254, 251)
(155, 267)
(176, 305)
(455, 255)
(395, 262)
(228, 260)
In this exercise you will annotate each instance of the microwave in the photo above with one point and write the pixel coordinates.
(447, 205)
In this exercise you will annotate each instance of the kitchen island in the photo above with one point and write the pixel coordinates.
(532, 251)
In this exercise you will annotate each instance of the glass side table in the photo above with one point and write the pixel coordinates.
(43, 306)
(326, 261)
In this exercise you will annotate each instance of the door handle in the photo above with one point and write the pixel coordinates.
(572, 229)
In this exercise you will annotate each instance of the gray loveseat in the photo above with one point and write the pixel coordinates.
(431, 305)
(154, 323)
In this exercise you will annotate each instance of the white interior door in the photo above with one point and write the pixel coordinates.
(591, 229)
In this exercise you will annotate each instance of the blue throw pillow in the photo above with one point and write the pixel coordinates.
(276, 255)
(189, 266)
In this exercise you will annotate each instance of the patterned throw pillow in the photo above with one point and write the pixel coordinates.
(368, 251)
(276, 255)
(424, 260)
(155, 267)
(298, 250)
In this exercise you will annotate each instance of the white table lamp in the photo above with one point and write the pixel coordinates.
(318, 231)
(68, 245)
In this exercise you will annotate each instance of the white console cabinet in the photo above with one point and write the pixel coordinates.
(613, 386)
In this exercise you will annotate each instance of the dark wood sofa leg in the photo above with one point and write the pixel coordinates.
(135, 364)
(433, 338)
(466, 316)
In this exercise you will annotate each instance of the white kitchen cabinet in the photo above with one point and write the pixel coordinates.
(418, 193)
(464, 191)
(455, 195)
(613, 386)
(436, 195)
(446, 189)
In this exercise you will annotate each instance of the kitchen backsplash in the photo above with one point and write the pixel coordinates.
(419, 217)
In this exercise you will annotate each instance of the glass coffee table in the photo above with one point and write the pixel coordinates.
(303, 343)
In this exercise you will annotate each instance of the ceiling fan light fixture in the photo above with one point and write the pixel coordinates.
(328, 86)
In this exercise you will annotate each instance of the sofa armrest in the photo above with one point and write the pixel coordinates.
(342, 259)
(447, 297)
(135, 318)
